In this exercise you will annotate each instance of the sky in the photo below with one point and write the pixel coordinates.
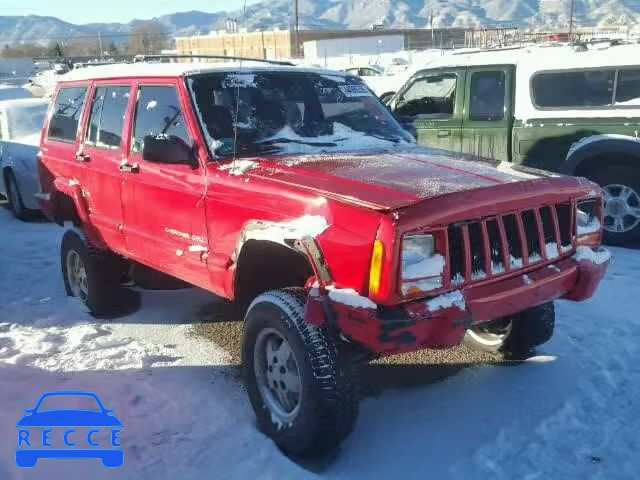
(122, 11)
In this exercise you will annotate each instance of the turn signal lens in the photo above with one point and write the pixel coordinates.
(375, 273)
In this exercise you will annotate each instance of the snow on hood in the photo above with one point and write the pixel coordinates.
(387, 179)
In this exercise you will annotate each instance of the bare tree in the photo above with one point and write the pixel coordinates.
(147, 38)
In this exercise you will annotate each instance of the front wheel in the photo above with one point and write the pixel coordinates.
(302, 397)
(514, 336)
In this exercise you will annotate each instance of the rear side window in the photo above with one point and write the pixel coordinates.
(589, 88)
(107, 116)
(487, 96)
(67, 111)
(158, 112)
(628, 88)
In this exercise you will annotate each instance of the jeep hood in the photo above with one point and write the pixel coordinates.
(386, 181)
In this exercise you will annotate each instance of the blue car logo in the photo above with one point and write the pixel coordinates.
(56, 433)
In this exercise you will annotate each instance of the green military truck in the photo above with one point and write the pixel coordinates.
(553, 108)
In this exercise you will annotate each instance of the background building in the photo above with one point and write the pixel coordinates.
(282, 44)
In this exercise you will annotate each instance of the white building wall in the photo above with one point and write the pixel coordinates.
(316, 51)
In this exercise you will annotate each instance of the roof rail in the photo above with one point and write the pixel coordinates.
(144, 58)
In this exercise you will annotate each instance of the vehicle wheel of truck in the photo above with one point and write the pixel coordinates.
(621, 186)
(301, 395)
(91, 274)
(514, 336)
(15, 199)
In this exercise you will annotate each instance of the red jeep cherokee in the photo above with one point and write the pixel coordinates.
(296, 194)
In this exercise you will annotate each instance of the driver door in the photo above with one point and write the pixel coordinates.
(163, 208)
(431, 107)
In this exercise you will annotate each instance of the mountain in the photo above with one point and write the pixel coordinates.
(340, 14)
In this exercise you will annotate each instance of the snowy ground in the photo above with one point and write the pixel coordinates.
(572, 412)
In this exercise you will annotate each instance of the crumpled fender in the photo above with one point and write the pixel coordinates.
(72, 189)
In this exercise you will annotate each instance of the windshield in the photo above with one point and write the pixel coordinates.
(27, 121)
(280, 113)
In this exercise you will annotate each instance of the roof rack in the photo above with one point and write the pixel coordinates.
(144, 58)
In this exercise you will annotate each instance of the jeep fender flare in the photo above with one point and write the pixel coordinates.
(601, 146)
(71, 188)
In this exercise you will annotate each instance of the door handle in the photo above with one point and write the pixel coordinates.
(82, 157)
(127, 168)
(444, 133)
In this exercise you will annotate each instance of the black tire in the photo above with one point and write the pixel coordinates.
(618, 175)
(514, 336)
(328, 407)
(14, 197)
(103, 271)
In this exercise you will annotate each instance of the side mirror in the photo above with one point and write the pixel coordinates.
(167, 149)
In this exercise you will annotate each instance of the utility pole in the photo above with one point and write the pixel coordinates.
(297, 27)
(571, 22)
(100, 44)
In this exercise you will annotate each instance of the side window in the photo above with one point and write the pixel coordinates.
(433, 96)
(589, 88)
(158, 112)
(628, 89)
(107, 116)
(487, 96)
(66, 114)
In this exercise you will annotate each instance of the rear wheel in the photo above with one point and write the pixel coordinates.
(514, 336)
(621, 187)
(90, 274)
(15, 198)
(302, 397)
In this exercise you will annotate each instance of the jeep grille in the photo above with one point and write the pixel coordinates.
(484, 248)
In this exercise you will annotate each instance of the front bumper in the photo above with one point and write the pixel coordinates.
(442, 322)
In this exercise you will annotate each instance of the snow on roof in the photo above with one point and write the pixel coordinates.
(543, 57)
(143, 69)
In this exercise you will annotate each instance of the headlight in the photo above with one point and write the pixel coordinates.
(422, 267)
(587, 217)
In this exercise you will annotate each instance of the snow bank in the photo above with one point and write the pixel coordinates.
(588, 254)
(552, 250)
(447, 300)
(349, 297)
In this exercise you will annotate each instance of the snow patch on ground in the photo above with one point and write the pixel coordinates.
(349, 297)
(588, 254)
(78, 348)
(446, 300)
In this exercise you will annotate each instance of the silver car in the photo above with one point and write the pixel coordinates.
(21, 122)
